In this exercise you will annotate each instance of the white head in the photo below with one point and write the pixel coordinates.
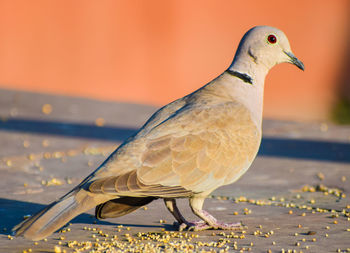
(264, 46)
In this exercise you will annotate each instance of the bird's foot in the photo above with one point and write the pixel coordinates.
(228, 226)
(193, 225)
(202, 225)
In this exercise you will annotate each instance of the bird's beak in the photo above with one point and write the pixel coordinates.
(294, 60)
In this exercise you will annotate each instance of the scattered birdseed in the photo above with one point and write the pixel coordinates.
(320, 175)
(46, 109)
(45, 143)
(100, 122)
(26, 144)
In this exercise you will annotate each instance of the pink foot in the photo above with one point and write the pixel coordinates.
(228, 226)
(194, 226)
(202, 225)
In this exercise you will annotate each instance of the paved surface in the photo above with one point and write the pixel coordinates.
(294, 197)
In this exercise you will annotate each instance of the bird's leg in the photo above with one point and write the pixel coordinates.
(182, 223)
(196, 205)
(172, 207)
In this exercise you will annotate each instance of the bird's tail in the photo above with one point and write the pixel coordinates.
(57, 214)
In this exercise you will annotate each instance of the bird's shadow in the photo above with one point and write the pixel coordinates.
(13, 211)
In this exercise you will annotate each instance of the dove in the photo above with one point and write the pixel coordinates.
(187, 149)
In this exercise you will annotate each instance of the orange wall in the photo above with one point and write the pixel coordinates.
(154, 51)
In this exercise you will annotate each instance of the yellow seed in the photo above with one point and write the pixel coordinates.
(57, 249)
(335, 222)
(26, 144)
(343, 178)
(299, 226)
(46, 109)
(303, 214)
(296, 234)
(235, 213)
(45, 143)
(320, 175)
(9, 163)
(314, 239)
(100, 122)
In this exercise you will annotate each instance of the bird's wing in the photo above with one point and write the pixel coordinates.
(192, 151)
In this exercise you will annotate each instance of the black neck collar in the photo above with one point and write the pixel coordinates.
(244, 77)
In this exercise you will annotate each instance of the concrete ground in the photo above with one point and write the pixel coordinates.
(294, 198)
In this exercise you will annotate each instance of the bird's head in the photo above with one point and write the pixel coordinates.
(266, 46)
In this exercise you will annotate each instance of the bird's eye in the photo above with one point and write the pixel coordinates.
(272, 39)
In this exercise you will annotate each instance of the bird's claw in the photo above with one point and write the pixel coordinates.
(194, 226)
(202, 225)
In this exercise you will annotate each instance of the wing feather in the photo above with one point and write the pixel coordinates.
(184, 154)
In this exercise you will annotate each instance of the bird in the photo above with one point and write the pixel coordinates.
(186, 149)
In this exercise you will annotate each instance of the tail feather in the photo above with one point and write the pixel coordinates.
(57, 214)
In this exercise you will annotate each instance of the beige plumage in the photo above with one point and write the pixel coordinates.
(187, 149)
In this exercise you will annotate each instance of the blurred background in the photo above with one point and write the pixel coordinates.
(155, 51)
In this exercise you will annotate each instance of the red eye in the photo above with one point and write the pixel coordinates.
(272, 39)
